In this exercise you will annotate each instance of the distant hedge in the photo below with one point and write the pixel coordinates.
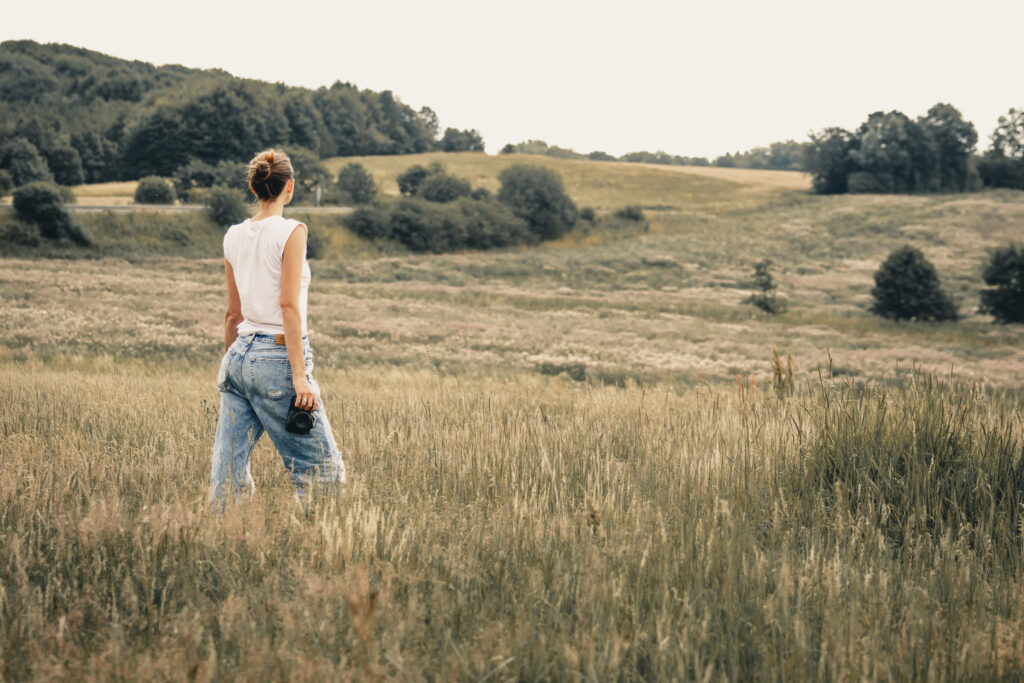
(433, 227)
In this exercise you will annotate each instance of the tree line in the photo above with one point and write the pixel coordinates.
(72, 115)
(782, 156)
(892, 153)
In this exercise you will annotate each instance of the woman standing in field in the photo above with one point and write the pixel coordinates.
(269, 363)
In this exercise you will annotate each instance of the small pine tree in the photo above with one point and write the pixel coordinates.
(765, 298)
(1004, 274)
(907, 288)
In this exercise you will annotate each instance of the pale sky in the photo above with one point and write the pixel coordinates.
(690, 78)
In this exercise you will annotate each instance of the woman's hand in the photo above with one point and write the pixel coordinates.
(304, 396)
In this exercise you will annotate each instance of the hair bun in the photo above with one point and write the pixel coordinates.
(269, 156)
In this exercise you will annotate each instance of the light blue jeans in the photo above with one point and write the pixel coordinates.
(255, 383)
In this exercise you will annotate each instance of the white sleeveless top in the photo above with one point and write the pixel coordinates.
(255, 250)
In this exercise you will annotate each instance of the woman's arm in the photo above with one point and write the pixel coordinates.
(234, 314)
(291, 285)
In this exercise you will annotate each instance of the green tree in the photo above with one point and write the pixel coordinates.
(894, 155)
(536, 195)
(954, 140)
(1004, 275)
(310, 173)
(66, 164)
(40, 204)
(22, 160)
(827, 158)
(455, 140)
(356, 184)
(1003, 163)
(907, 288)
(6, 183)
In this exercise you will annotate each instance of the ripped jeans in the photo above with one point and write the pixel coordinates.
(255, 383)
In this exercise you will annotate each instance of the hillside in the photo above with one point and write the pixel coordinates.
(98, 118)
(661, 299)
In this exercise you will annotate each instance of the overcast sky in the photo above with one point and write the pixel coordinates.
(691, 78)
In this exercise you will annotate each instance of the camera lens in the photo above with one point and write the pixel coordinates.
(304, 421)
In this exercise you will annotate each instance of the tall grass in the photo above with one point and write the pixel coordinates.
(526, 527)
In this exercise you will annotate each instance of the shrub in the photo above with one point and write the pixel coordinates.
(907, 288)
(224, 206)
(630, 213)
(442, 187)
(154, 190)
(429, 226)
(6, 183)
(371, 221)
(481, 194)
(489, 224)
(587, 213)
(765, 297)
(1004, 274)
(40, 204)
(411, 178)
(22, 160)
(536, 195)
(356, 184)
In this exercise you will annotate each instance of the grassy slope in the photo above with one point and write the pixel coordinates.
(658, 304)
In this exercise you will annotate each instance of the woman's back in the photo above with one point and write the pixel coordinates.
(254, 249)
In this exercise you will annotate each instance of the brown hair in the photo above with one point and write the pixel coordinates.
(269, 172)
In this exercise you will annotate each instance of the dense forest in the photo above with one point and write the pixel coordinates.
(73, 115)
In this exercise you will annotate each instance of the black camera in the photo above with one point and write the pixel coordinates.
(299, 420)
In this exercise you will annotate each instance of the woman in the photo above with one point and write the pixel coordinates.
(268, 359)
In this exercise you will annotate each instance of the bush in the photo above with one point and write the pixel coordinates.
(1004, 274)
(154, 190)
(442, 187)
(356, 184)
(40, 204)
(630, 213)
(536, 195)
(6, 183)
(410, 179)
(907, 288)
(224, 206)
(587, 213)
(428, 226)
(22, 160)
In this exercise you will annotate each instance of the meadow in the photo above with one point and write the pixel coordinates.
(575, 461)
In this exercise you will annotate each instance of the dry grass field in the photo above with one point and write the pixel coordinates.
(554, 472)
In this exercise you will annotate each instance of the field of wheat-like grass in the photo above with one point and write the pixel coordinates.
(521, 527)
